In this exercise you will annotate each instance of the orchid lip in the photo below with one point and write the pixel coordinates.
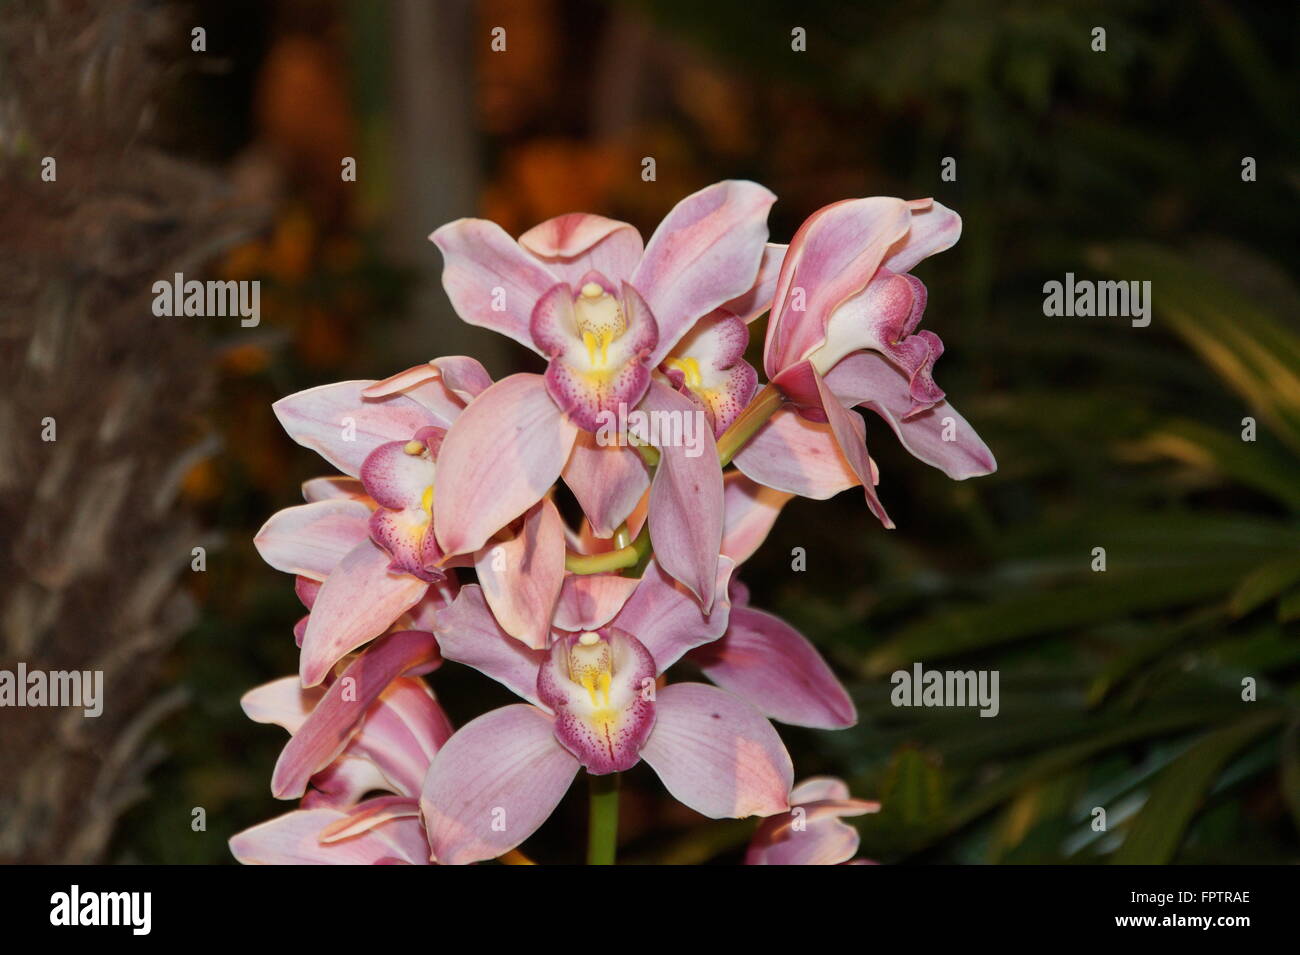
(595, 682)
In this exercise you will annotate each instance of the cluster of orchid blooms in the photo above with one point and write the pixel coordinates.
(446, 471)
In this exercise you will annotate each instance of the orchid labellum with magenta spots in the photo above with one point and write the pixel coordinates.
(446, 540)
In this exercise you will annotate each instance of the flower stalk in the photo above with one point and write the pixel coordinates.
(602, 832)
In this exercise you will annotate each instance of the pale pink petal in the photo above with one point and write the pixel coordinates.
(491, 281)
(758, 299)
(849, 432)
(343, 783)
(750, 510)
(664, 616)
(494, 783)
(717, 754)
(444, 386)
(401, 734)
(311, 539)
(369, 814)
(766, 662)
(336, 717)
(939, 436)
(358, 602)
(572, 245)
(833, 255)
(283, 702)
(464, 375)
(294, 839)
(589, 601)
(608, 481)
(706, 252)
(796, 456)
(934, 227)
(498, 460)
(521, 576)
(686, 498)
(468, 633)
(330, 488)
(343, 427)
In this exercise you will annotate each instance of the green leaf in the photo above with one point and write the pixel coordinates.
(1264, 583)
(1176, 795)
(1111, 596)
(1244, 342)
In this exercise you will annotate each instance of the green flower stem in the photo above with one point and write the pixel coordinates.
(623, 557)
(602, 832)
(765, 404)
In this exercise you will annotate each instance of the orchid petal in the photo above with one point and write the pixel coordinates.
(717, 754)
(294, 839)
(796, 456)
(749, 512)
(766, 662)
(601, 689)
(504, 767)
(358, 601)
(939, 436)
(342, 426)
(311, 539)
(521, 576)
(706, 252)
(607, 479)
(934, 228)
(663, 615)
(491, 281)
(572, 245)
(758, 299)
(334, 720)
(686, 500)
(334, 487)
(834, 255)
(498, 459)
(469, 634)
(589, 601)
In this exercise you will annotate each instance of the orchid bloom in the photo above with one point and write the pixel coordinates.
(594, 703)
(375, 729)
(368, 542)
(843, 334)
(604, 311)
(444, 469)
(811, 832)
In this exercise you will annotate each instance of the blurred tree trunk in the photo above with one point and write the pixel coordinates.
(95, 541)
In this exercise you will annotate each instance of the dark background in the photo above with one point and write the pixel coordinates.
(1119, 689)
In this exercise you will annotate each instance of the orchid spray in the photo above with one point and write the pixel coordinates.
(680, 461)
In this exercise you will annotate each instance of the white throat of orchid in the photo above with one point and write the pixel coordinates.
(600, 320)
(591, 666)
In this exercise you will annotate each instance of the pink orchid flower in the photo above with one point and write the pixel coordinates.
(593, 703)
(843, 334)
(811, 832)
(604, 311)
(375, 729)
(367, 539)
